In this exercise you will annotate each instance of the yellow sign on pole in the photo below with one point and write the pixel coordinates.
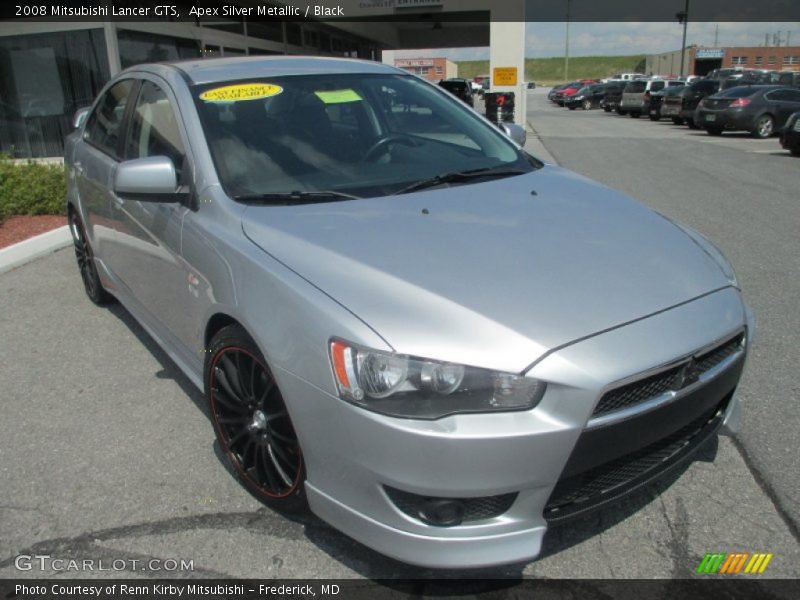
(504, 76)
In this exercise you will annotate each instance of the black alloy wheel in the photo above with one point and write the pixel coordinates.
(86, 265)
(252, 422)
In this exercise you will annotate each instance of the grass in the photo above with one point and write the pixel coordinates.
(551, 70)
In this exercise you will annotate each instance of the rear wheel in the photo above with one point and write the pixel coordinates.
(765, 127)
(85, 257)
(714, 130)
(252, 422)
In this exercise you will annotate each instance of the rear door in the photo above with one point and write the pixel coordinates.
(784, 103)
(95, 161)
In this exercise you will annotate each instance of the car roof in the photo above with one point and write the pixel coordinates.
(200, 71)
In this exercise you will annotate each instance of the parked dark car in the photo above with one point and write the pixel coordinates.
(790, 78)
(681, 108)
(749, 77)
(790, 135)
(657, 98)
(460, 88)
(760, 109)
(587, 97)
(613, 95)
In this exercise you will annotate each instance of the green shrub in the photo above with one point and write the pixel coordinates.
(31, 189)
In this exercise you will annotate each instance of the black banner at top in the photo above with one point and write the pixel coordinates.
(440, 11)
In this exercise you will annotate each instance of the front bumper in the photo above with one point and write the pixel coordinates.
(352, 455)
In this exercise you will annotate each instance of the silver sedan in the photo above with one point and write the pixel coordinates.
(400, 319)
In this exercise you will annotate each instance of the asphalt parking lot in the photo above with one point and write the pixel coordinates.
(107, 451)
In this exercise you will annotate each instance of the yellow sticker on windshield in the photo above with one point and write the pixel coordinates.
(338, 96)
(237, 93)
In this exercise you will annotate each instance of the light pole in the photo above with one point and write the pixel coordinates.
(683, 17)
(566, 49)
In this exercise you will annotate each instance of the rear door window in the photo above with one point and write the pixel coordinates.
(635, 87)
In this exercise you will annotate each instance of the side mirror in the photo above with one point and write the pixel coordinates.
(515, 132)
(80, 117)
(151, 179)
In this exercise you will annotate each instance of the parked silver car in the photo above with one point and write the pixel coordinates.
(399, 318)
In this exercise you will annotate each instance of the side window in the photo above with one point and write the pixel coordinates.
(792, 96)
(656, 86)
(105, 123)
(154, 128)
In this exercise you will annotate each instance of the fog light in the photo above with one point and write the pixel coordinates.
(442, 512)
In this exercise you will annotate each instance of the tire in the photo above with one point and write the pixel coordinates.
(692, 125)
(572, 107)
(587, 104)
(635, 115)
(621, 112)
(607, 108)
(677, 120)
(795, 150)
(85, 257)
(765, 127)
(655, 117)
(714, 130)
(251, 421)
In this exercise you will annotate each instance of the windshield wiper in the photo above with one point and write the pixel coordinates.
(296, 197)
(460, 176)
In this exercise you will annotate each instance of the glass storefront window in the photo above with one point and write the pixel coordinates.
(137, 47)
(44, 79)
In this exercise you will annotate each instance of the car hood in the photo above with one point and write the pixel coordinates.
(493, 274)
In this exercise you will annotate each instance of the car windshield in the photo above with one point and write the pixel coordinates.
(635, 87)
(738, 92)
(356, 134)
(454, 86)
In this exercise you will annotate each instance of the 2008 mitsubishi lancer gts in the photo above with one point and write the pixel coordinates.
(400, 319)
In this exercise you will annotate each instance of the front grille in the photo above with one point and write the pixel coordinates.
(672, 379)
(474, 509)
(607, 481)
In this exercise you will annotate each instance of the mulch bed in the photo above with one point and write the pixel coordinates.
(17, 229)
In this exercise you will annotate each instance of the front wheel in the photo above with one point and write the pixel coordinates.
(587, 104)
(85, 257)
(252, 422)
(765, 127)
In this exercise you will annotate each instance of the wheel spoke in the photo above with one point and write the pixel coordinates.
(281, 437)
(240, 376)
(286, 479)
(231, 377)
(242, 432)
(226, 385)
(265, 463)
(233, 404)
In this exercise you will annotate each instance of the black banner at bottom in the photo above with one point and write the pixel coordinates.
(732, 588)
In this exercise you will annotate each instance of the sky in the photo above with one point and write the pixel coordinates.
(597, 39)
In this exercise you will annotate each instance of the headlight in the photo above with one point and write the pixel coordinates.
(404, 386)
(711, 249)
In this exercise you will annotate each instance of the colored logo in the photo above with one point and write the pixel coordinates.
(734, 563)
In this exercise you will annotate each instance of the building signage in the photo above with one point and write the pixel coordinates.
(404, 63)
(710, 53)
(504, 76)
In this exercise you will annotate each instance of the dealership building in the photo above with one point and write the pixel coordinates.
(700, 60)
(432, 69)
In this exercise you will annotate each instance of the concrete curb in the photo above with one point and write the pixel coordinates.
(23, 252)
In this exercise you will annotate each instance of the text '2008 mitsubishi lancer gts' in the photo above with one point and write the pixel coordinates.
(400, 319)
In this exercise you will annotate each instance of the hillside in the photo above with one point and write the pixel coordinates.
(550, 70)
